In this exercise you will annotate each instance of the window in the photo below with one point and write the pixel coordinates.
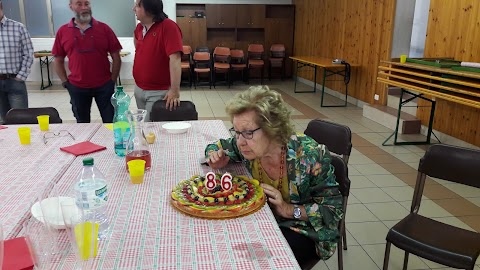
(44, 17)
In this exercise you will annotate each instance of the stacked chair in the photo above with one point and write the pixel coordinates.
(202, 64)
(237, 63)
(187, 63)
(221, 64)
(255, 59)
(277, 60)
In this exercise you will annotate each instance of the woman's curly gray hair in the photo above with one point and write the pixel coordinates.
(273, 116)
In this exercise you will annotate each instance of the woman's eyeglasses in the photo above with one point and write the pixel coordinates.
(62, 133)
(247, 134)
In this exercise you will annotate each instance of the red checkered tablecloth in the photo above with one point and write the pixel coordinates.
(26, 170)
(148, 233)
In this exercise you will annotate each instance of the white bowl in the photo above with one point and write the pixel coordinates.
(177, 127)
(54, 211)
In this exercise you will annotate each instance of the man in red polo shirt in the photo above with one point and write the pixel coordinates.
(86, 42)
(158, 48)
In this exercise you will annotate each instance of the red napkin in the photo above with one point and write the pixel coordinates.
(17, 255)
(83, 148)
(2, 127)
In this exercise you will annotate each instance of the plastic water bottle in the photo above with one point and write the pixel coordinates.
(91, 195)
(121, 128)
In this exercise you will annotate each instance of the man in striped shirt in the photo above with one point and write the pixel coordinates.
(16, 59)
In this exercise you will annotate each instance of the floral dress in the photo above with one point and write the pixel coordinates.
(311, 183)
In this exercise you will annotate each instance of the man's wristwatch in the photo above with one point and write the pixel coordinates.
(64, 84)
(297, 213)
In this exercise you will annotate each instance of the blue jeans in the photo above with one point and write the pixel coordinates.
(13, 95)
(81, 99)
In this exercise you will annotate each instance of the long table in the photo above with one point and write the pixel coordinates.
(27, 169)
(148, 233)
(329, 69)
(46, 57)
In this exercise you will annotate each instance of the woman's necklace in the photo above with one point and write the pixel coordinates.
(282, 166)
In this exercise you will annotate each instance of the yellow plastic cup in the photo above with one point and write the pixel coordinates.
(136, 169)
(85, 237)
(403, 58)
(43, 121)
(24, 135)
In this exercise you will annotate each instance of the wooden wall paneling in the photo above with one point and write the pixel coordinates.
(194, 31)
(280, 30)
(454, 30)
(358, 31)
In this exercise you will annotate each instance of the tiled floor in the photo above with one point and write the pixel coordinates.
(382, 177)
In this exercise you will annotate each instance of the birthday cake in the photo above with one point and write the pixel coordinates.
(216, 196)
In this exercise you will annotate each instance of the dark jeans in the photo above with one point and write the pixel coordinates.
(13, 95)
(81, 99)
(303, 247)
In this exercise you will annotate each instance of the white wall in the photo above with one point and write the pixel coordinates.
(402, 30)
(419, 30)
(127, 42)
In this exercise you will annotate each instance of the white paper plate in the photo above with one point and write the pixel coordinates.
(54, 211)
(177, 127)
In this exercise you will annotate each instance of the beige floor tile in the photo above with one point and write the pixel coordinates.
(359, 159)
(368, 232)
(408, 157)
(368, 169)
(387, 211)
(377, 253)
(371, 195)
(386, 180)
(429, 209)
(464, 190)
(359, 213)
(399, 194)
(360, 181)
(321, 265)
(390, 223)
(352, 199)
(353, 258)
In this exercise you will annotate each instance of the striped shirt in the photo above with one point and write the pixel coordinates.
(16, 49)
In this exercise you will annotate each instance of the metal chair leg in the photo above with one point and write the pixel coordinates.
(344, 236)
(340, 254)
(405, 261)
(387, 256)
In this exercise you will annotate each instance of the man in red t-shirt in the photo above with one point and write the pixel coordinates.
(158, 48)
(87, 42)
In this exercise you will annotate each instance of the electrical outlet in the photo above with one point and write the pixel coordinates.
(376, 97)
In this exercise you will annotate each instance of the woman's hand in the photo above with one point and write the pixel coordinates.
(276, 202)
(217, 159)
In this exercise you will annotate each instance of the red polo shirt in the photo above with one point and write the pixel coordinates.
(87, 52)
(151, 69)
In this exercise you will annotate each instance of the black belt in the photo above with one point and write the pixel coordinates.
(7, 76)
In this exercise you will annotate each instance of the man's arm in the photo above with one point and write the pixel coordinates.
(27, 55)
(173, 95)
(60, 68)
(116, 64)
(175, 71)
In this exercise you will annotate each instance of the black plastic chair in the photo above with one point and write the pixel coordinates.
(338, 138)
(431, 239)
(29, 115)
(186, 111)
(341, 174)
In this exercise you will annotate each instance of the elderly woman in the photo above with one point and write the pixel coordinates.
(294, 170)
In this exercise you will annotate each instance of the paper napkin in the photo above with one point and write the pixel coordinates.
(83, 148)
